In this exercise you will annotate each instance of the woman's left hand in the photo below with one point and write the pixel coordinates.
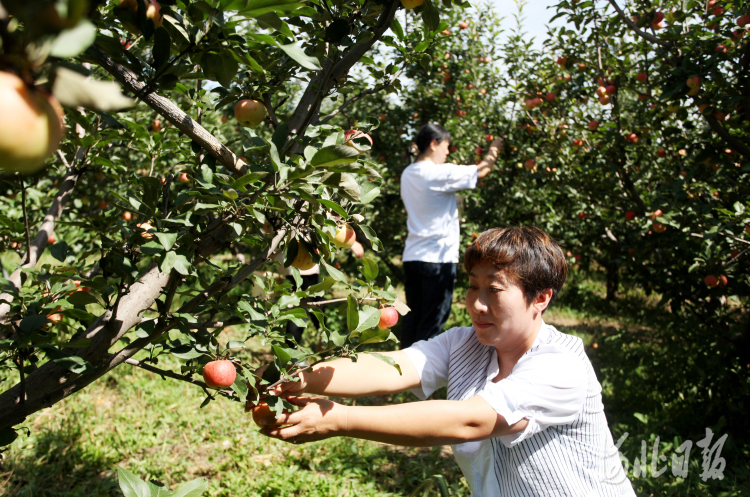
(318, 419)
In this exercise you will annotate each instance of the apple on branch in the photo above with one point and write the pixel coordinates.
(249, 113)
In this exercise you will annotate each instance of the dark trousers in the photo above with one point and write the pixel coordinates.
(429, 292)
(291, 328)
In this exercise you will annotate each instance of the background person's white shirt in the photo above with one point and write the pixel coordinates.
(428, 191)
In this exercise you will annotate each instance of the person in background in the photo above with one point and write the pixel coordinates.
(428, 190)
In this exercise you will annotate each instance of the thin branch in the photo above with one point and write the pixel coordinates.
(360, 95)
(732, 141)
(170, 374)
(171, 112)
(638, 31)
(25, 218)
(271, 110)
(333, 301)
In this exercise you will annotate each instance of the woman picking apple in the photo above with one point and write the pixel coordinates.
(428, 190)
(524, 413)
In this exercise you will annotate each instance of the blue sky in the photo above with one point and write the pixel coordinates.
(536, 16)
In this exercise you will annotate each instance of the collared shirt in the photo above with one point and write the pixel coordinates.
(429, 194)
(565, 450)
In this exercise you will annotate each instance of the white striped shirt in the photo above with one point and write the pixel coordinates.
(566, 449)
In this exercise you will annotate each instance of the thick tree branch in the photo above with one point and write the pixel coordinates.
(171, 112)
(634, 27)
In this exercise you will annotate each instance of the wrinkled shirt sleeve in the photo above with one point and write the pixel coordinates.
(547, 387)
(452, 178)
(431, 359)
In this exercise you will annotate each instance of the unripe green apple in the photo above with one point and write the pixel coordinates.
(31, 125)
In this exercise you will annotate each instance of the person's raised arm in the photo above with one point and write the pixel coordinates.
(345, 378)
(485, 165)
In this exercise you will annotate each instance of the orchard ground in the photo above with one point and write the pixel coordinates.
(155, 428)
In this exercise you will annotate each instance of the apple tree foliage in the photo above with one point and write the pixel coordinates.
(649, 189)
(154, 226)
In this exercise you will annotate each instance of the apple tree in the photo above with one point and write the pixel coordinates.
(194, 140)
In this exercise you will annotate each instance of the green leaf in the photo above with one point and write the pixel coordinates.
(352, 313)
(397, 29)
(196, 487)
(430, 15)
(368, 317)
(240, 388)
(162, 47)
(295, 51)
(369, 269)
(369, 191)
(336, 274)
(74, 41)
(247, 308)
(321, 287)
(256, 8)
(282, 355)
(82, 298)
(33, 322)
(332, 155)
(59, 251)
(131, 485)
(167, 239)
(387, 360)
(74, 90)
(336, 207)
(173, 260)
(375, 335)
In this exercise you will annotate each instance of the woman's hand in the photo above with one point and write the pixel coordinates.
(280, 390)
(317, 420)
(497, 143)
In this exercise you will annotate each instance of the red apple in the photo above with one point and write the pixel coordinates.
(388, 317)
(630, 215)
(358, 250)
(659, 228)
(156, 125)
(743, 20)
(103, 204)
(611, 89)
(593, 125)
(711, 281)
(656, 213)
(581, 215)
(717, 11)
(693, 82)
(219, 374)
(550, 97)
(561, 61)
(530, 164)
(51, 240)
(463, 25)
(127, 216)
(661, 152)
(446, 32)
(642, 77)
(184, 178)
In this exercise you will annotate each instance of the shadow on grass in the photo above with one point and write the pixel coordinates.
(53, 464)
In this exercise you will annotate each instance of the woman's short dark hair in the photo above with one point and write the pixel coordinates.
(527, 256)
(429, 132)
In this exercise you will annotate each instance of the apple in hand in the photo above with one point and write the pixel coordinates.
(219, 374)
(249, 113)
(31, 125)
(388, 317)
